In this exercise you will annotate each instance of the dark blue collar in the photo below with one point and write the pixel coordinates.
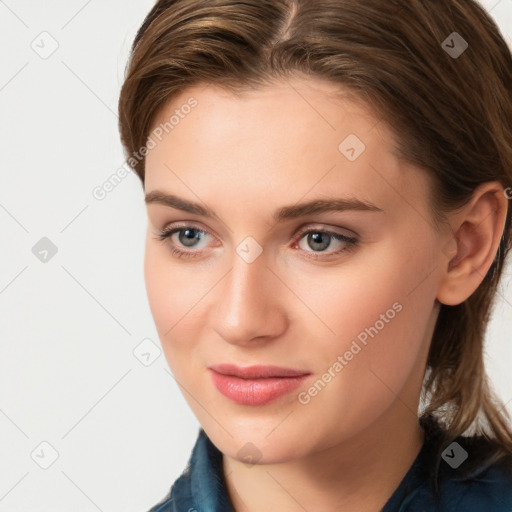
(201, 487)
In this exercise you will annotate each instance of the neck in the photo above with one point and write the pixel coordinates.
(356, 475)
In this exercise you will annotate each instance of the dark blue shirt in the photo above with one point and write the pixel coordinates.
(488, 488)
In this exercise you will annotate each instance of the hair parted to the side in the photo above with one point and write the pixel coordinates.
(450, 116)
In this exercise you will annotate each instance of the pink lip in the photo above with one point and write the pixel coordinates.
(255, 385)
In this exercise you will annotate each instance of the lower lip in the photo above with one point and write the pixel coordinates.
(255, 391)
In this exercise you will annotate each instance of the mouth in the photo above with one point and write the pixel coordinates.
(255, 385)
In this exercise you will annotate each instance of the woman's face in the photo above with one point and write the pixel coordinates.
(355, 313)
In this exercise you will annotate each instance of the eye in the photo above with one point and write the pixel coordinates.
(187, 236)
(320, 239)
(317, 239)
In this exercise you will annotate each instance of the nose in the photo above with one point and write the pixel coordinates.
(250, 307)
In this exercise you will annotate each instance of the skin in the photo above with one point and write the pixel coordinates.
(245, 157)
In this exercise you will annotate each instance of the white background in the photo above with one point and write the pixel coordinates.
(68, 327)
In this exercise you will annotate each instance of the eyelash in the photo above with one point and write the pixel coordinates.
(165, 234)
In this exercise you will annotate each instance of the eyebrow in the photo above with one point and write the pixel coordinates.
(281, 214)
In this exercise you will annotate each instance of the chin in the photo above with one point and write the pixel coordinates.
(250, 441)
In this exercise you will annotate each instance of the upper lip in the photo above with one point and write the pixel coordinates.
(257, 371)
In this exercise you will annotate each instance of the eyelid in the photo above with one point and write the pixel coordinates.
(184, 225)
(323, 228)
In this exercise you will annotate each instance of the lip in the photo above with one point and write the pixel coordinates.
(255, 385)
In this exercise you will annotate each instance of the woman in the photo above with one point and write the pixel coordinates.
(326, 186)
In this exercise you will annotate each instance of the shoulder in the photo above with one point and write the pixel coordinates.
(486, 483)
(462, 474)
(474, 475)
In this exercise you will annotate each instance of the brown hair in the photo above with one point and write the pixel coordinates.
(451, 115)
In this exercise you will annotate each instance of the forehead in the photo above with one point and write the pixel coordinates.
(298, 102)
(288, 139)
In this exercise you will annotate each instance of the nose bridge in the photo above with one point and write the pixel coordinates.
(245, 282)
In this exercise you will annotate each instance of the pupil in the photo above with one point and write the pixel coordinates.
(190, 236)
(317, 239)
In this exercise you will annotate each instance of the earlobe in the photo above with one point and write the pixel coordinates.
(477, 231)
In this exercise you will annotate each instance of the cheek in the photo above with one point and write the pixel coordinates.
(161, 296)
(381, 361)
(367, 291)
(367, 318)
(174, 295)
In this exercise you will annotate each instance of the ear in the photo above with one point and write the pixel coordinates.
(477, 229)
